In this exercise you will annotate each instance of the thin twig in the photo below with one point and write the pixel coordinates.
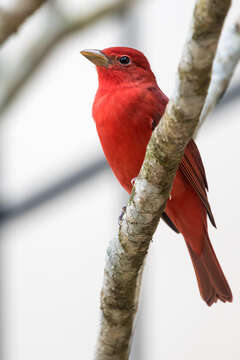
(126, 253)
(59, 27)
(10, 21)
(225, 62)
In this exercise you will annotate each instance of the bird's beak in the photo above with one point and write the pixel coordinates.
(97, 57)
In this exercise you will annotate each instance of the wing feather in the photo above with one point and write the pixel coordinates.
(192, 168)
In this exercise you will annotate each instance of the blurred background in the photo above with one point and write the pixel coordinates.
(60, 202)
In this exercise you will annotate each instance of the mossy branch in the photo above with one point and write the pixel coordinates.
(126, 253)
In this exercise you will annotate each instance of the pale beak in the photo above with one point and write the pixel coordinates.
(97, 57)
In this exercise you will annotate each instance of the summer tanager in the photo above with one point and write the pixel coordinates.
(128, 106)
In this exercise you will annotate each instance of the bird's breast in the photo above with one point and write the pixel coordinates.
(124, 129)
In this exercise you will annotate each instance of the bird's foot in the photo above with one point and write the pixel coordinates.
(121, 215)
(133, 181)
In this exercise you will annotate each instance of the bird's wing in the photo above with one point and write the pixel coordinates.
(169, 222)
(192, 168)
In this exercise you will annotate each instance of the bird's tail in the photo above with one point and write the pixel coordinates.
(211, 280)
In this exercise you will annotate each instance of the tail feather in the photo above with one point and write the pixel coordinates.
(211, 280)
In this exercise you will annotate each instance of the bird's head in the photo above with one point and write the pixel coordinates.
(119, 65)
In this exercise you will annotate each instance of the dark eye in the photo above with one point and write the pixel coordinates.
(124, 60)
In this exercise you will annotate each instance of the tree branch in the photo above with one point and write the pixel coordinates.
(126, 253)
(11, 20)
(59, 28)
(225, 62)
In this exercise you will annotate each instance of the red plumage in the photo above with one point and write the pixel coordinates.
(127, 107)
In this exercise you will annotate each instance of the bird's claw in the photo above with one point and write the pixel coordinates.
(133, 181)
(121, 215)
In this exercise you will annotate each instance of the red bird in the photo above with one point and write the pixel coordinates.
(127, 107)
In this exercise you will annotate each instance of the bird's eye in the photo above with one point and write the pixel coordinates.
(124, 60)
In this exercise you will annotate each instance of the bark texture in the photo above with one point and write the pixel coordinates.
(126, 253)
